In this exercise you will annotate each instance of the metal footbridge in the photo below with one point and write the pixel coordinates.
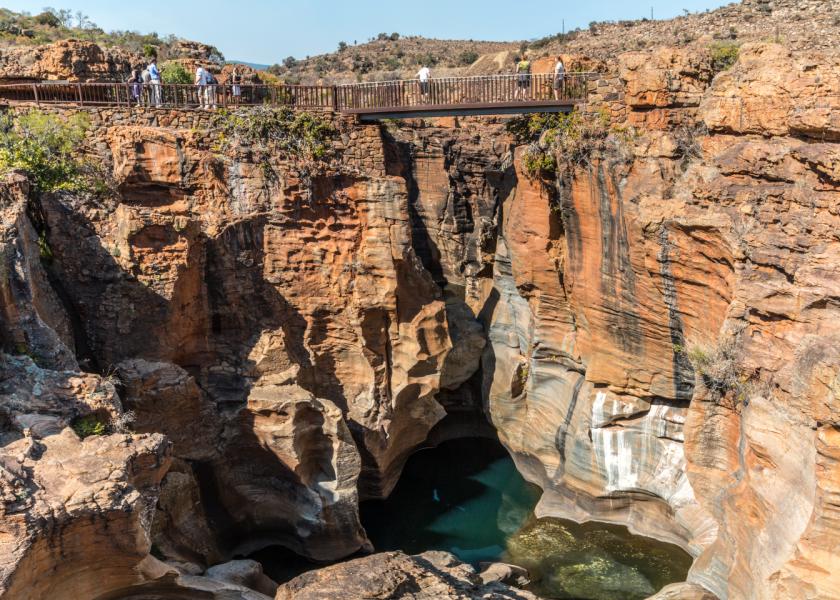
(449, 96)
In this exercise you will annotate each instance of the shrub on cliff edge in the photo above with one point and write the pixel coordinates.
(88, 425)
(567, 140)
(724, 56)
(302, 135)
(721, 372)
(46, 148)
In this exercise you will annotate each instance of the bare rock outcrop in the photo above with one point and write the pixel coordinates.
(431, 575)
(78, 509)
(276, 325)
(70, 60)
(32, 319)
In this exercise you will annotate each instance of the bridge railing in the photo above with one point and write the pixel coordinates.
(359, 97)
(481, 90)
(169, 95)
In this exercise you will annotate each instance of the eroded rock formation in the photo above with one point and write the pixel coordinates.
(296, 332)
(70, 60)
(431, 575)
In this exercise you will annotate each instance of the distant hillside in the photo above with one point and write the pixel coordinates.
(389, 56)
(782, 21)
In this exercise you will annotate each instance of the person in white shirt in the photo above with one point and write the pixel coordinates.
(424, 74)
(201, 84)
(559, 77)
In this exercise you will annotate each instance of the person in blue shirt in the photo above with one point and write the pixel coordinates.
(154, 76)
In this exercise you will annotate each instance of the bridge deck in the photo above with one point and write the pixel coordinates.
(485, 95)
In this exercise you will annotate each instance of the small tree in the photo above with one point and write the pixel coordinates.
(83, 21)
(64, 16)
(173, 72)
(342, 46)
(49, 19)
(44, 147)
(290, 62)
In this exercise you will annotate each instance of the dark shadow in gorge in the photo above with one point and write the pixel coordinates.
(476, 234)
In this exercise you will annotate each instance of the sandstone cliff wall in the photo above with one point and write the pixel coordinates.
(297, 332)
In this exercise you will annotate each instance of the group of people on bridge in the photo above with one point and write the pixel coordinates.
(146, 86)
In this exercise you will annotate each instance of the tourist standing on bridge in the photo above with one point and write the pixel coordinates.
(212, 84)
(145, 80)
(559, 78)
(523, 78)
(135, 85)
(154, 81)
(424, 74)
(236, 85)
(201, 85)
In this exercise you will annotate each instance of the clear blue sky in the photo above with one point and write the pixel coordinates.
(266, 31)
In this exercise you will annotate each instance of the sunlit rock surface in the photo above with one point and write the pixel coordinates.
(297, 333)
(431, 575)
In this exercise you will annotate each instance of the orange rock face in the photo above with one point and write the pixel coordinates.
(70, 60)
(653, 334)
(612, 287)
(309, 340)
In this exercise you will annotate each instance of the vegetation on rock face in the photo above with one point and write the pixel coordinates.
(724, 55)
(302, 135)
(88, 425)
(46, 147)
(720, 372)
(571, 139)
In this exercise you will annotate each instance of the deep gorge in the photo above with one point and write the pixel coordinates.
(647, 334)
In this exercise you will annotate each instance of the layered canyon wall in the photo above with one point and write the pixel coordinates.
(296, 331)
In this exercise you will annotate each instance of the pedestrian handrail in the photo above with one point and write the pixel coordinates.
(478, 90)
(485, 90)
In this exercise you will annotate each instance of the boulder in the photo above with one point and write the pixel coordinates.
(431, 575)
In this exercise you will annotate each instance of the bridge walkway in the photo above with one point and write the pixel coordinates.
(450, 96)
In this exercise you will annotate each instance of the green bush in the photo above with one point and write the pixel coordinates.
(88, 425)
(427, 59)
(539, 163)
(49, 19)
(173, 72)
(300, 134)
(467, 57)
(45, 147)
(724, 56)
(391, 63)
(574, 137)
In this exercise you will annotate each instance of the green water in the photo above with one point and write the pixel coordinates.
(466, 497)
